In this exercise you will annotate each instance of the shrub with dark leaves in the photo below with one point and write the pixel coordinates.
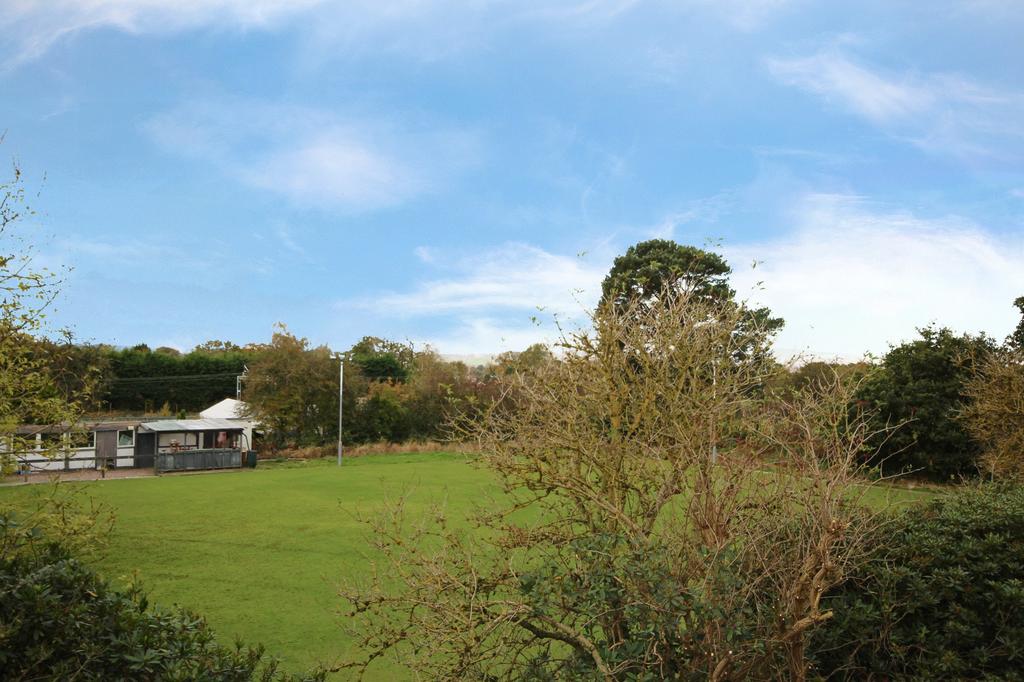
(942, 597)
(60, 621)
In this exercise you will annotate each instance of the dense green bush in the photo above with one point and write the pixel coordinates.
(941, 598)
(922, 384)
(60, 621)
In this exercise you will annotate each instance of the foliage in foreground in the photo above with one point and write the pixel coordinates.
(60, 621)
(29, 390)
(640, 538)
(61, 514)
(941, 598)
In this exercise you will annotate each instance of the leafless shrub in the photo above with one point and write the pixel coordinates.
(662, 518)
(994, 412)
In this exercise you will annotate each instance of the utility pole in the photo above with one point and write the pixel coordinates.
(714, 431)
(341, 385)
(238, 382)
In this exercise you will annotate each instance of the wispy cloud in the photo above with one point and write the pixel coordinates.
(433, 30)
(426, 254)
(81, 250)
(313, 157)
(747, 15)
(853, 277)
(505, 298)
(287, 239)
(850, 277)
(486, 336)
(34, 27)
(429, 29)
(514, 277)
(700, 213)
(876, 97)
(940, 112)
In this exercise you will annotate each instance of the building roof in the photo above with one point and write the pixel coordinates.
(183, 425)
(229, 408)
(28, 429)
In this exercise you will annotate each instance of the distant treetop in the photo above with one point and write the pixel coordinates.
(648, 268)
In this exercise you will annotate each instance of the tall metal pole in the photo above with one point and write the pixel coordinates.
(238, 382)
(714, 431)
(341, 386)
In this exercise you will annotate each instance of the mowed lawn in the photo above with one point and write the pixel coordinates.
(261, 552)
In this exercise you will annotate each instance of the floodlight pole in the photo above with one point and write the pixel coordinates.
(341, 385)
(238, 382)
(714, 431)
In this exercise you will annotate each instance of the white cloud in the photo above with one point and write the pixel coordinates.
(940, 112)
(515, 277)
(334, 168)
(285, 235)
(426, 254)
(700, 212)
(98, 251)
(33, 27)
(432, 30)
(503, 299)
(869, 94)
(315, 158)
(852, 279)
(747, 15)
(429, 29)
(476, 337)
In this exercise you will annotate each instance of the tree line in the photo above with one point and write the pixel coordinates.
(940, 385)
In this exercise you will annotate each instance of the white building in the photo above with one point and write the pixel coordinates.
(235, 411)
(135, 443)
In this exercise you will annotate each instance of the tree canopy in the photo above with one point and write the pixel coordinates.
(658, 266)
(924, 384)
(292, 390)
(651, 267)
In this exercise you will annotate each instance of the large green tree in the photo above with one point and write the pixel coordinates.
(292, 390)
(382, 360)
(650, 269)
(924, 384)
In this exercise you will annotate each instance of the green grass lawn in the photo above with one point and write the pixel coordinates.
(260, 553)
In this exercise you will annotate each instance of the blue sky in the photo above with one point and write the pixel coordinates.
(442, 172)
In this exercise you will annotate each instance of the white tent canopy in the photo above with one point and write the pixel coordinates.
(229, 408)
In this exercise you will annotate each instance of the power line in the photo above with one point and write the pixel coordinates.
(176, 377)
